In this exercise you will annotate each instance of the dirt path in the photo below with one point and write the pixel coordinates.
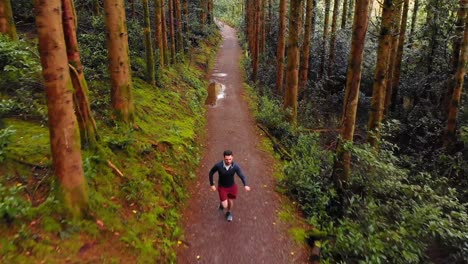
(256, 234)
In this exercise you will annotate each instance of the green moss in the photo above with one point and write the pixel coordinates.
(299, 234)
(30, 143)
(50, 224)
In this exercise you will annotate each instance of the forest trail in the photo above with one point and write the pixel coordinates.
(256, 235)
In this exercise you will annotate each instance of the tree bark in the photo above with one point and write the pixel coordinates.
(325, 37)
(292, 75)
(149, 54)
(119, 61)
(255, 41)
(87, 125)
(450, 131)
(159, 32)
(178, 27)
(331, 58)
(172, 31)
(395, 33)
(399, 56)
(204, 11)
(63, 126)
(96, 8)
(414, 18)
(7, 24)
(164, 32)
(342, 166)
(308, 37)
(344, 14)
(281, 47)
(378, 94)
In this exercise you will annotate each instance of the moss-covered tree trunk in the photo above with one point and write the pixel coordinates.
(7, 24)
(331, 56)
(395, 33)
(292, 70)
(344, 14)
(88, 130)
(280, 50)
(158, 32)
(324, 38)
(149, 54)
(172, 42)
(63, 126)
(377, 106)
(399, 56)
(342, 166)
(164, 33)
(450, 131)
(178, 27)
(308, 37)
(119, 61)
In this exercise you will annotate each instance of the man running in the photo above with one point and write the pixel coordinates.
(227, 188)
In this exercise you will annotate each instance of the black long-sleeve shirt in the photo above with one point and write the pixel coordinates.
(226, 177)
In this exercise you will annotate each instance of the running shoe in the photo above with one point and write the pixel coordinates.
(229, 216)
(220, 207)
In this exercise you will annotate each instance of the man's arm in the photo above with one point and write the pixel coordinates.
(241, 175)
(212, 171)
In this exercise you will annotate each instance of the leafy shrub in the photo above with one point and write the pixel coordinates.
(19, 65)
(12, 205)
(5, 139)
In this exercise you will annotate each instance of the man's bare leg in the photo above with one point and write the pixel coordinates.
(224, 203)
(230, 204)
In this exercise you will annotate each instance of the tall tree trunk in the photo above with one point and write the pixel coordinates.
(395, 33)
(432, 19)
(342, 166)
(87, 125)
(292, 71)
(325, 37)
(281, 47)
(186, 25)
(119, 61)
(399, 56)
(331, 58)
(450, 131)
(171, 31)
(262, 24)
(164, 32)
(414, 18)
(378, 94)
(150, 66)
(158, 32)
(178, 27)
(456, 47)
(256, 42)
(63, 126)
(204, 11)
(96, 8)
(459, 32)
(344, 14)
(308, 37)
(7, 24)
(210, 12)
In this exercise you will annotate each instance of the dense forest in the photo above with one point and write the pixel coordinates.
(101, 115)
(364, 102)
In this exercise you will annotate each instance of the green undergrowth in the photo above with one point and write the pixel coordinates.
(136, 179)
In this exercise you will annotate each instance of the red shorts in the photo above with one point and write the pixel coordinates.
(227, 192)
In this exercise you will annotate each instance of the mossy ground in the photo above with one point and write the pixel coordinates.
(132, 218)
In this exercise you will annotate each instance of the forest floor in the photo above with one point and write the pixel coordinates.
(257, 234)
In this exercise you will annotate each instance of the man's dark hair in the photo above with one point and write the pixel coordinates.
(227, 153)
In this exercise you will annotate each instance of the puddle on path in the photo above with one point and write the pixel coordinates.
(215, 92)
(221, 74)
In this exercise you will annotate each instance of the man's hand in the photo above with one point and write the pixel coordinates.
(213, 188)
(247, 188)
